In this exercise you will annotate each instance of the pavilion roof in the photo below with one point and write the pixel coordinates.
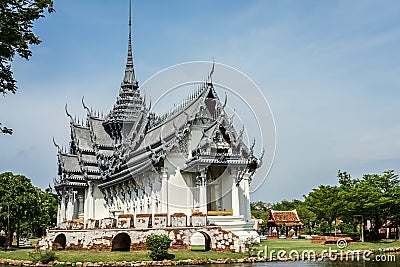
(288, 218)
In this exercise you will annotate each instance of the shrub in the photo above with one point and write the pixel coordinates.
(158, 245)
(43, 256)
(2, 241)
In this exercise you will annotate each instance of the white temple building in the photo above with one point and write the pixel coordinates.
(134, 163)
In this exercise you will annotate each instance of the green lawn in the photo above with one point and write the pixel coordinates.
(98, 256)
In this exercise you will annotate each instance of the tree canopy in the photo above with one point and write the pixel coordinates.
(31, 210)
(16, 23)
(373, 197)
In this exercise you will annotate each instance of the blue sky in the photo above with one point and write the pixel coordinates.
(329, 69)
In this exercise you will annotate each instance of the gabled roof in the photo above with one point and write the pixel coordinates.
(82, 135)
(70, 163)
(175, 120)
(288, 218)
(101, 137)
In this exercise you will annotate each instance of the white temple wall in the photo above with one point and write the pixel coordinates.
(99, 210)
(179, 198)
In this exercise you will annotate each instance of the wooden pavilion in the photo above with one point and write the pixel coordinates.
(283, 222)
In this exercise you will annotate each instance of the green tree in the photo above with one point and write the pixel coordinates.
(324, 203)
(19, 196)
(27, 206)
(16, 23)
(373, 197)
(260, 209)
(45, 215)
(285, 205)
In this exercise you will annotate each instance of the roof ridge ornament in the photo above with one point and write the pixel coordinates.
(209, 78)
(56, 145)
(225, 101)
(252, 146)
(72, 120)
(260, 158)
(85, 107)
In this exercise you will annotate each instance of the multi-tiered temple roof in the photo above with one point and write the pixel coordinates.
(131, 140)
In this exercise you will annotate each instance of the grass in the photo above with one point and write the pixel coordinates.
(103, 256)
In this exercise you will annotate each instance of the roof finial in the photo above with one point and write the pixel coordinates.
(55, 144)
(84, 106)
(209, 80)
(225, 101)
(69, 115)
(129, 77)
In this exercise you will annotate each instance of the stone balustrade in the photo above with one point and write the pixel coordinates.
(140, 221)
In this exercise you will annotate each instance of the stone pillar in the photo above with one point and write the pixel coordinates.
(59, 218)
(196, 193)
(91, 201)
(58, 212)
(202, 192)
(80, 206)
(164, 191)
(62, 207)
(70, 205)
(235, 194)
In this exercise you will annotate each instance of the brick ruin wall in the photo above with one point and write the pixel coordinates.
(100, 234)
(102, 239)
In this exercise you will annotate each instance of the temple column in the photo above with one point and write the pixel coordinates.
(70, 205)
(245, 188)
(91, 201)
(235, 194)
(196, 198)
(80, 206)
(164, 190)
(202, 192)
(58, 211)
(62, 207)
